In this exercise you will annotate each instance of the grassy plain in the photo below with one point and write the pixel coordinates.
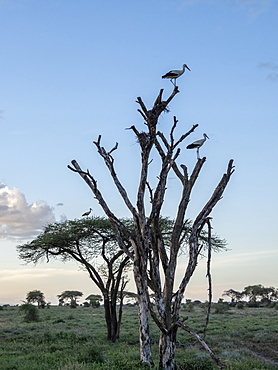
(75, 339)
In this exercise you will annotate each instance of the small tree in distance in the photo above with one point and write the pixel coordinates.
(70, 296)
(94, 300)
(154, 257)
(36, 296)
(258, 291)
(233, 294)
(254, 293)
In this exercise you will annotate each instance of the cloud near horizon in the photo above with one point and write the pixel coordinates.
(20, 220)
(14, 275)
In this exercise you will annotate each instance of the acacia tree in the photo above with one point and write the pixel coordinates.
(253, 292)
(154, 265)
(233, 294)
(36, 296)
(94, 300)
(71, 296)
(92, 243)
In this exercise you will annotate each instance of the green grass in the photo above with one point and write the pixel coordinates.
(75, 339)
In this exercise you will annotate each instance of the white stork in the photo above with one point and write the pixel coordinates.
(87, 213)
(173, 75)
(197, 144)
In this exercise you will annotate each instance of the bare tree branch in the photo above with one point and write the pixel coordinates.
(186, 134)
(91, 182)
(172, 140)
(197, 228)
(143, 107)
(114, 148)
(203, 343)
(108, 159)
(173, 145)
(208, 275)
(150, 192)
(159, 98)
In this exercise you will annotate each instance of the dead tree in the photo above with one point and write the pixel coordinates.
(151, 255)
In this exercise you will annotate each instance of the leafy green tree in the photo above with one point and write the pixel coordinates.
(71, 296)
(94, 300)
(255, 292)
(271, 293)
(91, 242)
(233, 294)
(131, 297)
(221, 307)
(36, 296)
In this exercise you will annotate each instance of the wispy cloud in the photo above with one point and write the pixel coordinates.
(18, 219)
(38, 273)
(271, 69)
(255, 8)
(228, 259)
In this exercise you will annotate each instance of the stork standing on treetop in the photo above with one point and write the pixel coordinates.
(173, 75)
(197, 144)
(87, 213)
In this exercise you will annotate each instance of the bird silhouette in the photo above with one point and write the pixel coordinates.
(174, 74)
(87, 213)
(197, 144)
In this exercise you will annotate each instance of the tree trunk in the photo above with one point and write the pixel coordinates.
(167, 348)
(114, 322)
(145, 342)
(111, 320)
(120, 314)
(144, 327)
(107, 317)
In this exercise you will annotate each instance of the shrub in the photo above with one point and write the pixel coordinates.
(197, 361)
(221, 307)
(189, 306)
(240, 305)
(253, 304)
(58, 321)
(90, 354)
(31, 312)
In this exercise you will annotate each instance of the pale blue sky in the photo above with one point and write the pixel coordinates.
(71, 70)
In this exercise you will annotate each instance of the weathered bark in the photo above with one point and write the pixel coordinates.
(144, 326)
(167, 349)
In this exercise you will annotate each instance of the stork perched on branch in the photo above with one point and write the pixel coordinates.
(87, 213)
(197, 144)
(173, 75)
